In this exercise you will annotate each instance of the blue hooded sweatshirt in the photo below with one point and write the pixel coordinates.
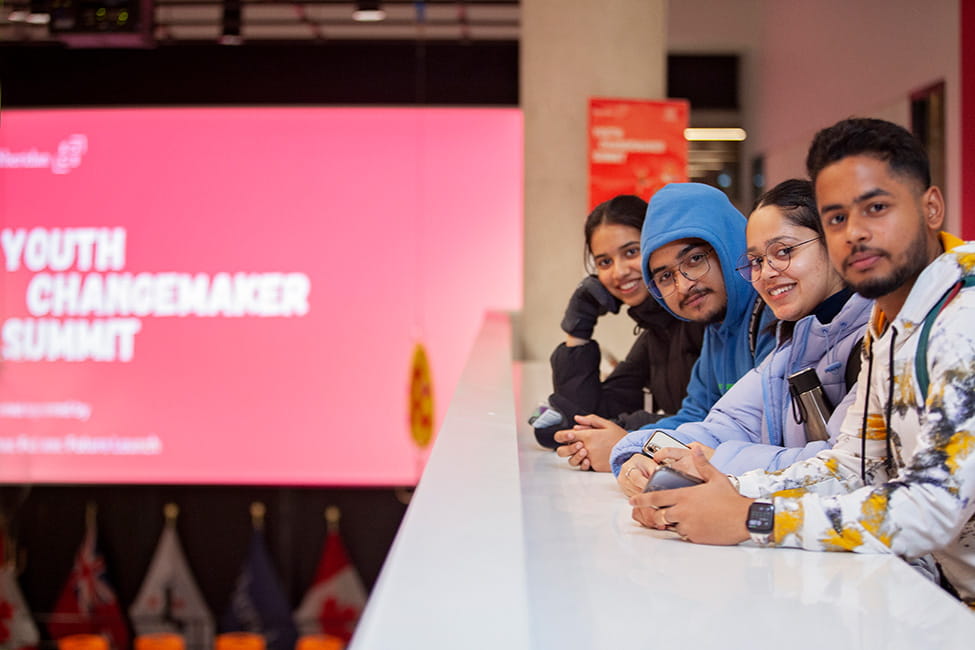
(695, 210)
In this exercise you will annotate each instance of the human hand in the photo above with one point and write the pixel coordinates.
(588, 302)
(635, 473)
(589, 443)
(682, 459)
(710, 513)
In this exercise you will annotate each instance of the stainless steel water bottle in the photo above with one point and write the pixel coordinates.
(810, 404)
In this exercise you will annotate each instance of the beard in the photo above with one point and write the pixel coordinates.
(915, 260)
(716, 316)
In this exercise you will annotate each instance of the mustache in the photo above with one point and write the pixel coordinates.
(693, 294)
(860, 250)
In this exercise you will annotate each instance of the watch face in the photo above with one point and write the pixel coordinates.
(761, 518)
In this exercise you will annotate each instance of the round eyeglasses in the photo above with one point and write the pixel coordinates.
(694, 266)
(777, 254)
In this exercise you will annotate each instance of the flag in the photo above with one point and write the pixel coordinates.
(169, 600)
(87, 604)
(17, 629)
(258, 603)
(335, 599)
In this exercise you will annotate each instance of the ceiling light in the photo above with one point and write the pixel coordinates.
(724, 135)
(37, 13)
(368, 12)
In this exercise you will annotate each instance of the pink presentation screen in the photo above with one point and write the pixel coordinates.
(214, 296)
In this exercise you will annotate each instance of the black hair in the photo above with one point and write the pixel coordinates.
(624, 210)
(880, 139)
(794, 198)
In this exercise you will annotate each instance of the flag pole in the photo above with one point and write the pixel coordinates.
(257, 515)
(91, 514)
(332, 517)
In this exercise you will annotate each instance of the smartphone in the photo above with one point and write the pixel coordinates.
(660, 439)
(668, 478)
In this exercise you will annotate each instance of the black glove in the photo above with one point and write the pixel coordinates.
(589, 301)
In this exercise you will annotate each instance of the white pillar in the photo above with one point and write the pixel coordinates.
(572, 50)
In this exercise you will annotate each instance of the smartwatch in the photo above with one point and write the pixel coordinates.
(761, 521)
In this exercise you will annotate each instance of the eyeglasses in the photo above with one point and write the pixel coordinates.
(694, 266)
(777, 254)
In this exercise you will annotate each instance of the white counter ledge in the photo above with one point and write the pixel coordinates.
(505, 546)
(455, 575)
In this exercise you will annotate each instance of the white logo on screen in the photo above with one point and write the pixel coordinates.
(67, 157)
(69, 154)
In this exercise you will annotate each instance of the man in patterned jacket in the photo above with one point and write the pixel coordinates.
(901, 477)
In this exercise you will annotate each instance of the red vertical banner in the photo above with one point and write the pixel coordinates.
(635, 146)
(967, 19)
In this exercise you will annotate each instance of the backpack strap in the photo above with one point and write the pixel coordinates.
(853, 363)
(921, 355)
(754, 323)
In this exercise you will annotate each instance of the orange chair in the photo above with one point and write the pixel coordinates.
(83, 642)
(238, 641)
(160, 641)
(319, 642)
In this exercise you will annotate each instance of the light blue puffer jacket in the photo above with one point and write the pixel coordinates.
(752, 426)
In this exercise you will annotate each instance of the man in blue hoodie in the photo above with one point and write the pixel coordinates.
(691, 239)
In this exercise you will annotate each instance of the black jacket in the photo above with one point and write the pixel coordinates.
(659, 361)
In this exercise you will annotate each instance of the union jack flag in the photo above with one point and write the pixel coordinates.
(87, 604)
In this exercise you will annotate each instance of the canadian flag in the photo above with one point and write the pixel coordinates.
(17, 629)
(335, 599)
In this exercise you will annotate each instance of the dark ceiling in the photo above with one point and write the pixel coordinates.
(299, 52)
(100, 23)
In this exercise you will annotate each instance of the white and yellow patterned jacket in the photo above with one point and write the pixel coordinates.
(920, 497)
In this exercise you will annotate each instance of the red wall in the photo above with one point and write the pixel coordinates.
(968, 118)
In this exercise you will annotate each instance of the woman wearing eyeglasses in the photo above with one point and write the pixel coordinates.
(759, 422)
